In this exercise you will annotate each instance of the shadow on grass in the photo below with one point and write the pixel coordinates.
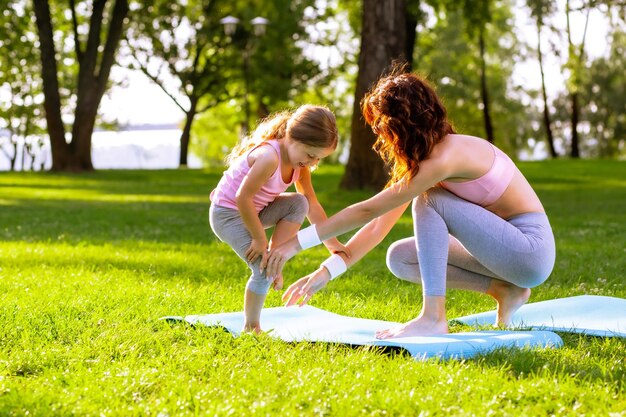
(99, 222)
(583, 357)
(63, 206)
(586, 358)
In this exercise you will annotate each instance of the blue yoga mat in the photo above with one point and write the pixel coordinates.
(296, 324)
(588, 314)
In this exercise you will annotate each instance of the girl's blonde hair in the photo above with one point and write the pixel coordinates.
(311, 125)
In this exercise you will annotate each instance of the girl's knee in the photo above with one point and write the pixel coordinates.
(301, 204)
(258, 285)
(298, 208)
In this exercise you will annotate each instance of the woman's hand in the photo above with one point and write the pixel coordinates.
(277, 284)
(304, 288)
(335, 246)
(278, 256)
(258, 247)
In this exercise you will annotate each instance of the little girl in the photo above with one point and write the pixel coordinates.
(250, 196)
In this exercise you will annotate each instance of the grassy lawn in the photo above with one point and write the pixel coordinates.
(88, 263)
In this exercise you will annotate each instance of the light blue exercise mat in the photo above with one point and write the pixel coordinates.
(588, 314)
(296, 324)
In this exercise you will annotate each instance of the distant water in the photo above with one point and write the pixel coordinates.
(126, 149)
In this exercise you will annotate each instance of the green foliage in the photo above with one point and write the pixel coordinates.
(605, 107)
(448, 55)
(21, 113)
(91, 262)
(602, 106)
(180, 44)
(214, 135)
(277, 86)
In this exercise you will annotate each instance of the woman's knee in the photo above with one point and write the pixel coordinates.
(401, 263)
(433, 198)
(536, 276)
(392, 259)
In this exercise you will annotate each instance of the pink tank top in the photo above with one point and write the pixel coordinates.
(486, 189)
(224, 194)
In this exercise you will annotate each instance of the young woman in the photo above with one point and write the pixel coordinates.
(478, 223)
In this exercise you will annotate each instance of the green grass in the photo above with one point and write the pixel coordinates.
(88, 263)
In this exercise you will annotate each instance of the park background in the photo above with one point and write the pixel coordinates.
(91, 257)
(540, 79)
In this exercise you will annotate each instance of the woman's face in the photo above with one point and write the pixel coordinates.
(300, 155)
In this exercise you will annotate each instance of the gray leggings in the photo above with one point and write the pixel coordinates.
(467, 246)
(228, 227)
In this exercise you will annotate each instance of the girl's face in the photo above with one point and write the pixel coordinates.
(300, 155)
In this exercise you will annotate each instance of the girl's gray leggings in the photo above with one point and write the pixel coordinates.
(228, 227)
(464, 245)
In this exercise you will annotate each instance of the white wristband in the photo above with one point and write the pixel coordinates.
(307, 238)
(335, 265)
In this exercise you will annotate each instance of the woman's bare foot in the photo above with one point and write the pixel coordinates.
(509, 297)
(419, 326)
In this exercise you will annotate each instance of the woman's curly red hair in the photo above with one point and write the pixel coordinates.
(409, 119)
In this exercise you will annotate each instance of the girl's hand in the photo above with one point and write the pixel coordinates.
(335, 246)
(304, 288)
(278, 256)
(258, 247)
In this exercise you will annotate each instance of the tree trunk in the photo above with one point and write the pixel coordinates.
(383, 39)
(484, 91)
(577, 63)
(575, 152)
(91, 85)
(411, 36)
(546, 110)
(185, 136)
(52, 99)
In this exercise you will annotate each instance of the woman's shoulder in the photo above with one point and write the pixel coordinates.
(465, 156)
(465, 144)
(462, 138)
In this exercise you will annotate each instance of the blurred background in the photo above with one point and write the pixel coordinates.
(157, 84)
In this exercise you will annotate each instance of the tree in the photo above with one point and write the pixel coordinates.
(178, 44)
(540, 10)
(451, 60)
(477, 14)
(575, 62)
(604, 91)
(20, 89)
(383, 40)
(183, 49)
(94, 60)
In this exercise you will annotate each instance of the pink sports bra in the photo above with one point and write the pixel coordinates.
(488, 188)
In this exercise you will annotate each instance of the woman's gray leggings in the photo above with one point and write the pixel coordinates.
(465, 245)
(228, 227)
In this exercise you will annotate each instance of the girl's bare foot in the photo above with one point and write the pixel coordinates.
(419, 326)
(509, 297)
(252, 328)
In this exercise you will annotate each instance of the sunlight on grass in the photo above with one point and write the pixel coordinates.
(77, 194)
(89, 264)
